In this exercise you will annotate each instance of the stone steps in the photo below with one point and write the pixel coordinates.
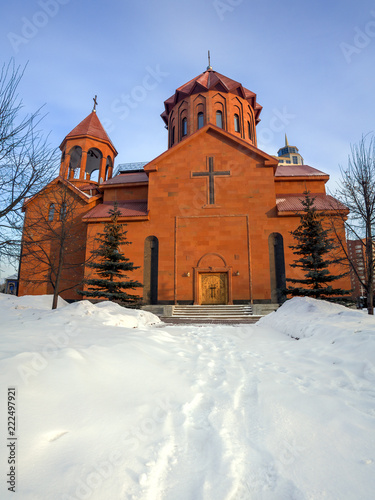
(215, 314)
(211, 321)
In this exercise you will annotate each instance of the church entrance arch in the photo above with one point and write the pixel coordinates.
(212, 280)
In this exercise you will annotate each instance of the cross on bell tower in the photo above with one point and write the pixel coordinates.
(95, 103)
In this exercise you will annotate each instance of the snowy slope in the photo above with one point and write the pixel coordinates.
(112, 404)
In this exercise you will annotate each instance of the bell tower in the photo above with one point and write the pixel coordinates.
(87, 152)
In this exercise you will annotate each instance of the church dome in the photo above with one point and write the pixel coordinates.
(211, 98)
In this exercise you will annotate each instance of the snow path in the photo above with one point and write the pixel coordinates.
(219, 430)
(113, 406)
(205, 432)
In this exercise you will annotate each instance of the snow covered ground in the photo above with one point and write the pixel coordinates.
(113, 405)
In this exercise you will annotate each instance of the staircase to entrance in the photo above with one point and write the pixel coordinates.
(212, 314)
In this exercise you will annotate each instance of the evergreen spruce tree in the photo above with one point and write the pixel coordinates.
(110, 265)
(314, 248)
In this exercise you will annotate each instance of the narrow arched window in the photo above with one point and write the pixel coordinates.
(236, 123)
(51, 212)
(249, 129)
(277, 267)
(172, 136)
(63, 211)
(108, 168)
(200, 120)
(219, 119)
(184, 127)
(150, 270)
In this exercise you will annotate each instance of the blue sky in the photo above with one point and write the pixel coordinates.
(310, 63)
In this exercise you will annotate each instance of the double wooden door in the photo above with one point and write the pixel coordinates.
(213, 288)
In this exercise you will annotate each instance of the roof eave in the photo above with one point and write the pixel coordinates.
(83, 136)
(269, 161)
(102, 187)
(314, 177)
(295, 213)
(122, 218)
(85, 197)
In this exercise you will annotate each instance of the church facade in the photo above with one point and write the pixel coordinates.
(209, 220)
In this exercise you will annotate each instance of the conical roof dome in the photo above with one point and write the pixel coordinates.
(211, 80)
(90, 126)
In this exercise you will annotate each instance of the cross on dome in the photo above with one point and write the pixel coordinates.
(209, 67)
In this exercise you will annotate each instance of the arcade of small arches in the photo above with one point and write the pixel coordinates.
(235, 116)
(88, 165)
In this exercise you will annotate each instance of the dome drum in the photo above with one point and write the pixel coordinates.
(215, 99)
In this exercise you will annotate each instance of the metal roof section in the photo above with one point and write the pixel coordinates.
(293, 203)
(127, 178)
(130, 167)
(130, 208)
(298, 171)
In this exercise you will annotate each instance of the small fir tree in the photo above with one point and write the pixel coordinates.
(110, 265)
(314, 248)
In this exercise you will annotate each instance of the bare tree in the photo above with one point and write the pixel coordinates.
(27, 163)
(54, 241)
(357, 191)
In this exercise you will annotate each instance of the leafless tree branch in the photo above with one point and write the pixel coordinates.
(53, 242)
(357, 192)
(27, 162)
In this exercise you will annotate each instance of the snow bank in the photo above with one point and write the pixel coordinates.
(303, 317)
(43, 302)
(344, 337)
(112, 314)
(106, 313)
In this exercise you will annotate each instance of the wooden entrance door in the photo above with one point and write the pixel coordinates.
(213, 288)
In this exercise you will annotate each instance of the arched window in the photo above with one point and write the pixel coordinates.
(200, 120)
(63, 210)
(172, 135)
(150, 270)
(51, 212)
(108, 166)
(94, 157)
(236, 123)
(219, 119)
(249, 130)
(75, 161)
(277, 267)
(184, 127)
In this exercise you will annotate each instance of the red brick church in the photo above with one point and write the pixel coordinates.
(209, 219)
